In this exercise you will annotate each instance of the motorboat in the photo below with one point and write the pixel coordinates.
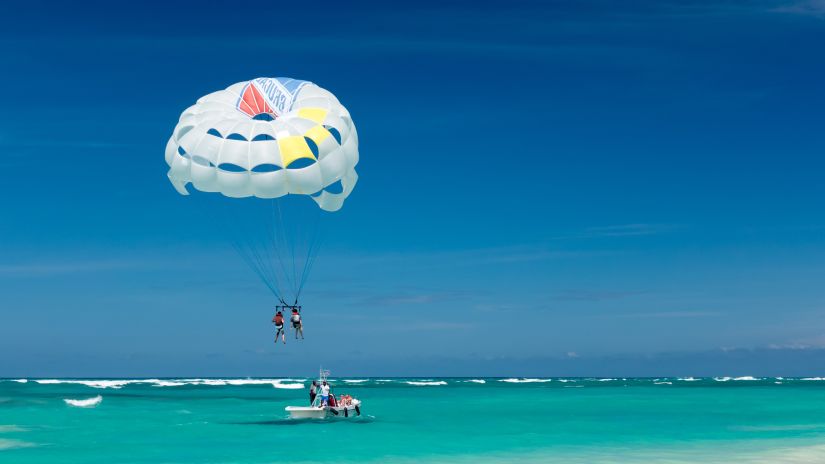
(342, 406)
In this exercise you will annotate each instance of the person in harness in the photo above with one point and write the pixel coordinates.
(278, 320)
(297, 324)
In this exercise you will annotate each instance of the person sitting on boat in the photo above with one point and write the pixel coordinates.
(313, 392)
(324, 394)
(278, 320)
(296, 323)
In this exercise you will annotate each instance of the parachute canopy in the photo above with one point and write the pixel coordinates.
(266, 138)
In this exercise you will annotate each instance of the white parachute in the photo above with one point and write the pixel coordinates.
(266, 138)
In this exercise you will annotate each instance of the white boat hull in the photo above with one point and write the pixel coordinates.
(311, 412)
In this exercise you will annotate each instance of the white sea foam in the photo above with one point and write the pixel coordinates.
(20, 380)
(355, 380)
(425, 383)
(11, 428)
(722, 379)
(526, 380)
(225, 382)
(168, 383)
(476, 381)
(813, 378)
(606, 380)
(241, 382)
(688, 379)
(87, 403)
(288, 386)
(12, 444)
(90, 383)
(115, 384)
(778, 428)
(566, 380)
(663, 383)
(745, 378)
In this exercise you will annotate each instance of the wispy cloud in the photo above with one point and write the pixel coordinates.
(11, 143)
(815, 8)
(55, 268)
(618, 230)
(70, 266)
(667, 315)
(412, 298)
(433, 326)
(593, 295)
(807, 343)
(475, 256)
(627, 230)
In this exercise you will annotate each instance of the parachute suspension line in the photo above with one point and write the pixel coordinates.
(254, 262)
(262, 259)
(281, 239)
(268, 253)
(231, 230)
(289, 235)
(294, 234)
(258, 272)
(312, 252)
(254, 250)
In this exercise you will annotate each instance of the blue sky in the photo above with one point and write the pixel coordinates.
(547, 188)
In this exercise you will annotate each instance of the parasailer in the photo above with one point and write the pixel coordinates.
(278, 320)
(297, 324)
(260, 144)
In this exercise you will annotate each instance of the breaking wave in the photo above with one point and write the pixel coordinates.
(525, 380)
(11, 428)
(87, 403)
(116, 384)
(288, 386)
(6, 444)
(168, 383)
(91, 383)
(425, 383)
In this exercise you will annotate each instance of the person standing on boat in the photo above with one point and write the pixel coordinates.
(278, 320)
(325, 394)
(313, 392)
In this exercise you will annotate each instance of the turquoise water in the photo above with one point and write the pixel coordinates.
(417, 420)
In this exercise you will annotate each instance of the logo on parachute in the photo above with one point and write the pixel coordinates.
(266, 98)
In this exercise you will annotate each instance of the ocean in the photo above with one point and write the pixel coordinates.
(439, 420)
